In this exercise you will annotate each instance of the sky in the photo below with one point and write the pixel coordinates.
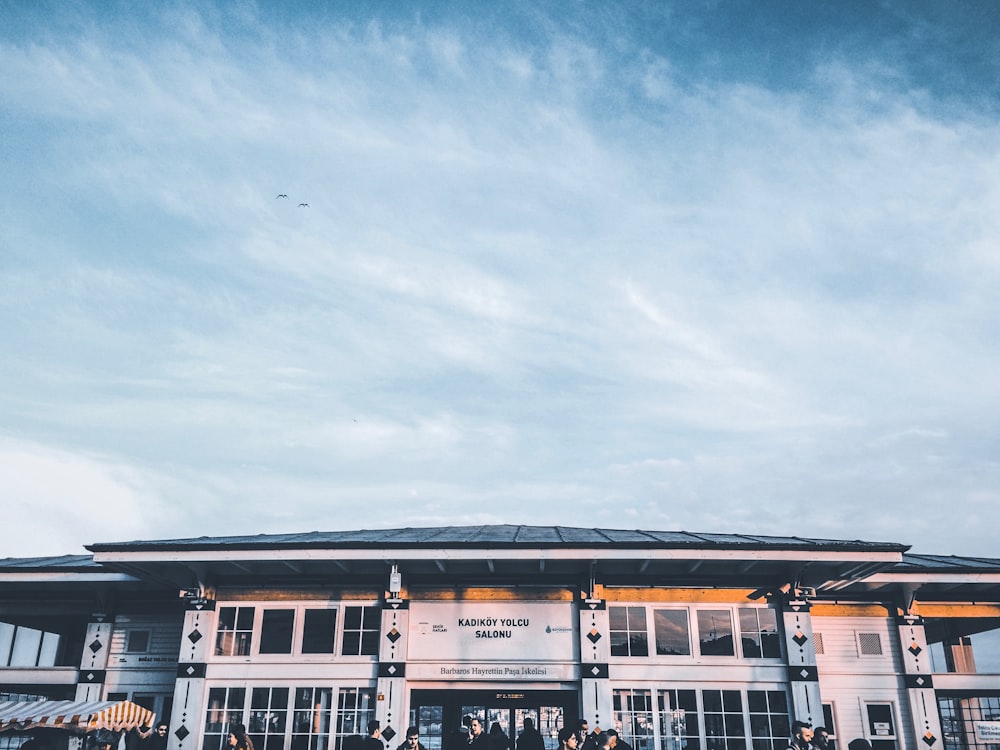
(702, 266)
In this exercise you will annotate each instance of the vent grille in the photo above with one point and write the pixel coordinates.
(818, 644)
(869, 644)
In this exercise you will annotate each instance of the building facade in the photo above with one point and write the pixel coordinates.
(676, 640)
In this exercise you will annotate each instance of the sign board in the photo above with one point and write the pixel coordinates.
(477, 632)
(491, 671)
(987, 731)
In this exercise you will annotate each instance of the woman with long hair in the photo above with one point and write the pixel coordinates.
(238, 738)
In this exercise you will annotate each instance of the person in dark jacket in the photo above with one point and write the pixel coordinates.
(530, 738)
(373, 741)
(498, 739)
(158, 739)
(477, 738)
(412, 741)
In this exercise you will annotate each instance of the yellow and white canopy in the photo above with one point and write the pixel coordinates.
(77, 716)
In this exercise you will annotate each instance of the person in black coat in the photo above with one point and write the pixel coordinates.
(530, 738)
(373, 740)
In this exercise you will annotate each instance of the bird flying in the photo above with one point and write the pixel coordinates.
(282, 195)
(303, 205)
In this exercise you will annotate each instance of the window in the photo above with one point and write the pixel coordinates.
(881, 726)
(633, 716)
(724, 727)
(235, 631)
(671, 629)
(319, 631)
(715, 632)
(27, 647)
(628, 631)
(225, 705)
(276, 629)
(830, 725)
(137, 642)
(355, 708)
(361, 631)
(960, 716)
(678, 720)
(769, 725)
(759, 633)
(268, 713)
(311, 720)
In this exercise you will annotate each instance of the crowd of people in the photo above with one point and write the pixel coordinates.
(473, 737)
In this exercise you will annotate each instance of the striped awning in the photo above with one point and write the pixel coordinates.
(78, 716)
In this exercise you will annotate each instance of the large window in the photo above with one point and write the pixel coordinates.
(960, 717)
(266, 712)
(268, 715)
(27, 647)
(679, 720)
(361, 631)
(355, 708)
(298, 630)
(671, 628)
(759, 633)
(276, 630)
(769, 727)
(628, 631)
(312, 718)
(724, 726)
(235, 633)
(225, 706)
(964, 644)
(715, 632)
(319, 631)
(633, 717)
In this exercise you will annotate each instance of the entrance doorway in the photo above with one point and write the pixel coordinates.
(439, 714)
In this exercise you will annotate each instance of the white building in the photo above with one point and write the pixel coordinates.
(678, 640)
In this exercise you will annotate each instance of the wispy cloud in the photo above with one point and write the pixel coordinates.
(546, 265)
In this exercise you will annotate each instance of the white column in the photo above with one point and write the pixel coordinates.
(919, 683)
(595, 687)
(392, 706)
(94, 663)
(188, 716)
(803, 676)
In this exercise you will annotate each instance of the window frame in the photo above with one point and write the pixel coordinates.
(629, 631)
(371, 632)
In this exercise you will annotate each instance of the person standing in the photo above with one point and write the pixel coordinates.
(530, 738)
(477, 740)
(617, 743)
(158, 739)
(802, 735)
(238, 737)
(497, 738)
(412, 741)
(567, 739)
(373, 741)
(821, 738)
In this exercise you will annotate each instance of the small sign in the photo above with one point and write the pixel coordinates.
(987, 731)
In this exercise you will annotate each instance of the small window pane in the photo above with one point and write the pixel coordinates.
(672, 638)
(715, 632)
(319, 631)
(276, 630)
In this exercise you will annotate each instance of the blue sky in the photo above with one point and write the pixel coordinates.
(722, 267)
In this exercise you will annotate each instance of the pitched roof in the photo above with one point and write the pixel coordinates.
(500, 536)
